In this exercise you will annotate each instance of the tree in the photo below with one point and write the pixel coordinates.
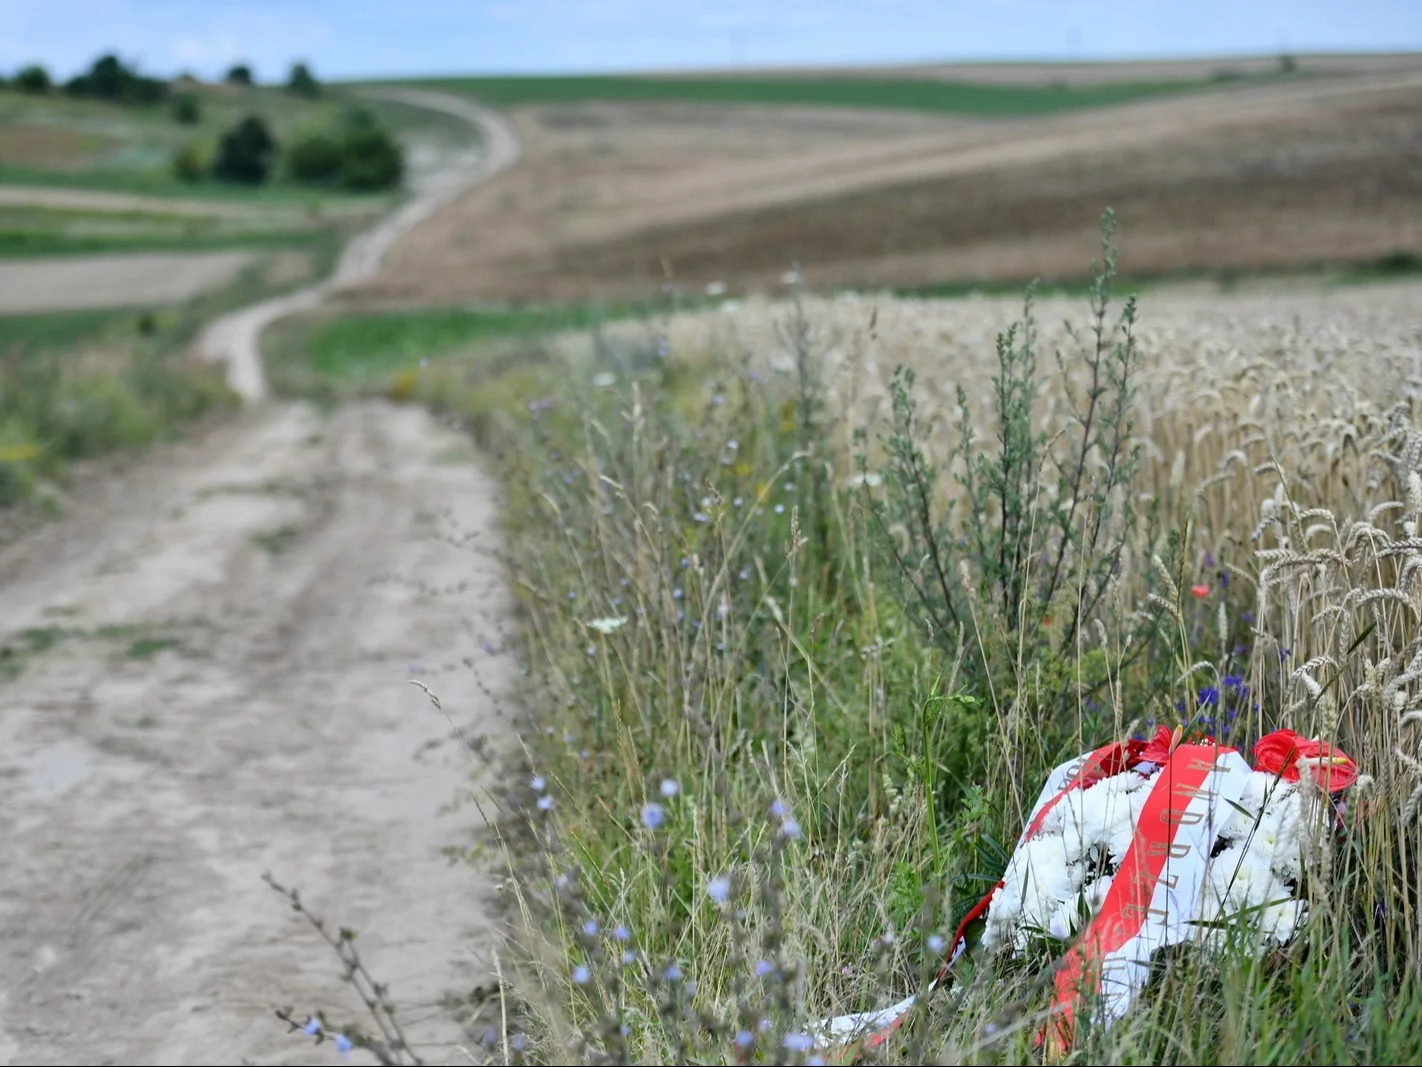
(244, 154)
(302, 82)
(240, 74)
(33, 79)
(317, 159)
(109, 79)
(186, 109)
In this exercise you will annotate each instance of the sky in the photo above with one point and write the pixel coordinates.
(366, 38)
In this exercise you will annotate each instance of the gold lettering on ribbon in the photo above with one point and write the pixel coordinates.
(1163, 848)
(1181, 817)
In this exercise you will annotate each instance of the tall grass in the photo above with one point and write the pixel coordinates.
(804, 634)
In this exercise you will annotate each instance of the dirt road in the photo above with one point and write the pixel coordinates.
(205, 675)
(231, 628)
(234, 339)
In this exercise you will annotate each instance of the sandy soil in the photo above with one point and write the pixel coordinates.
(612, 199)
(205, 676)
(295, 567)
(65, 283)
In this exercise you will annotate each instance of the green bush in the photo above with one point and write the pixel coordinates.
(240, 74)
(316, 159)
(187, 109)
(244, 154)
(190, 164)
(33, 79)
(370, 160)
(302, 82)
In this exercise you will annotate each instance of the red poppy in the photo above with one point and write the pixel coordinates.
(1279, 753)
(1200, 591)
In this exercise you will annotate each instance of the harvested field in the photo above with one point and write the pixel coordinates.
(612, 200)
(67, 283)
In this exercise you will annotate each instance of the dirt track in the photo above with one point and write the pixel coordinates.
(145, 787)
(205, 676)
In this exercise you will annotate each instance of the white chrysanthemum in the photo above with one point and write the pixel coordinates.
(1105, 815)
(1281, 920)
(1035, 883)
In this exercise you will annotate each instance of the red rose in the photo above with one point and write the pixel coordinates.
(1279, 754)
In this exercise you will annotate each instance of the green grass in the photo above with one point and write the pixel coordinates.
(988, 101)
(157, 181)
(369, 347)
(21, 243)
(59, 329)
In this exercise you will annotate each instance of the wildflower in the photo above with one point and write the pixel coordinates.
(796, 1042)
(590, 927)
(1208, 695)
(545, 802)
(700, 516)
(745, 1039)
(791, 829)
(673, 973)
(581, 974)
(629, 957)
(719, 889)
(621, 932)
(608, 625)
(343, 1044)
(763, 968)
(778, 809)
(652, 816)
(936, 944)
(1200, 591)
(780, 509)
(537, 783)
(518, 1042)
(669, 788)
(677, 594)
(312, 1027)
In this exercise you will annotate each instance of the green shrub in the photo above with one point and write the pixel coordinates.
(316, 159)
(244, 154)
(370, 160)
(33, 79)
(240, 74)
(187, 110)
(190, 163)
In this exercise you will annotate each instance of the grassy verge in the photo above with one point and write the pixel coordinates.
(80, 385)
(798, 660)
(902, 93)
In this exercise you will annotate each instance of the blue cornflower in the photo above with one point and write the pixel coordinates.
(590, 927)
(745, 1039)
(312, 1027)
(1233, 681)
(669, 788)
(673, 973)
(621, 932)
(652, 816)
(798, 1042)
(791, 829)
(537, 784)
(581, 974)
(936, 944)
(778, 809)
(343, 1044)
(1209, 695)
(719, 889)
(763, 968)
(545, 802)
(629, 957)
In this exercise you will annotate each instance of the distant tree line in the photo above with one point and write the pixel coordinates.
(353, 152)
